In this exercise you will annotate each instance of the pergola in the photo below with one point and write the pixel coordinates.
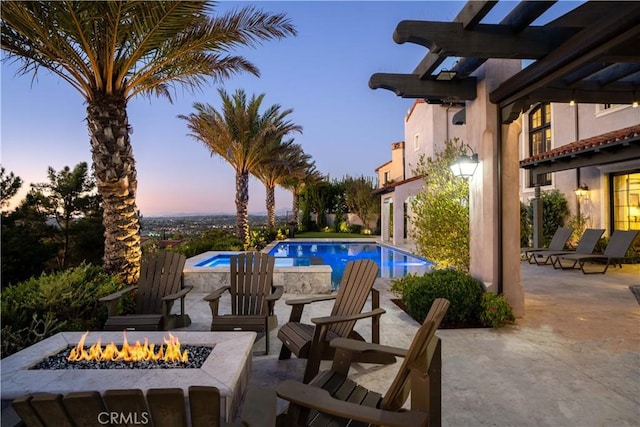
(589, 55)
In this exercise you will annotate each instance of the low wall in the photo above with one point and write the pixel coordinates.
(313, 279)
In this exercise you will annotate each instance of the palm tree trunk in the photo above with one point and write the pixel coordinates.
(271, 206)
(242, 206)
(295, 205)
(116, 181)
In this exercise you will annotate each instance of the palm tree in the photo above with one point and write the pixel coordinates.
(111, 51)
(241, 136)
(287, 160)
(307, 175)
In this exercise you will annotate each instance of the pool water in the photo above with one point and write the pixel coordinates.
(222, 260)
(392, 263)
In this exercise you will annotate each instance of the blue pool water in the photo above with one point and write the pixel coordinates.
(222, 260)
(392, 262)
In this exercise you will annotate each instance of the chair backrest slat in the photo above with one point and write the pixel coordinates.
(589, 240)
(251, 282)
(160, 275)
(417, 357)
(619, 243)
(560, 238)
(83, 406)
(355, 287)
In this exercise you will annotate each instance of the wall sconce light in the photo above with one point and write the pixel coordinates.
(465, 165)
(445, 74)
(582, 191)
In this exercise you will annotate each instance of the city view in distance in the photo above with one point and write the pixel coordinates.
(168, 227)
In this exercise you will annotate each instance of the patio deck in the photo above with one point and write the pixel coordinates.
(573, 360)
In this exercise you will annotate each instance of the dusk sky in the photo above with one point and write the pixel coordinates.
(322, 74)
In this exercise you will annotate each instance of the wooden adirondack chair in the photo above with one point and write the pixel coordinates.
(311, 341)
(331, 398)
(160, 285)
(253, 296)
(161, 407)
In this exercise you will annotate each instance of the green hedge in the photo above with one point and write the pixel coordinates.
(463, 292)
(41, 306)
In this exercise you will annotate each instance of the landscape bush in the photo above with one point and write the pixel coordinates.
(64, 301)
(210, 240)
(496, 310)
(463, 292)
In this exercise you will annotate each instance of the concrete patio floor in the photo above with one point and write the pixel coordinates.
(573, 360)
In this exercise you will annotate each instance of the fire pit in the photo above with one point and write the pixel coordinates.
(227, 367)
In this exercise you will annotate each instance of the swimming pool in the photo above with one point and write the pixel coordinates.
(392, 262)
(223, 260)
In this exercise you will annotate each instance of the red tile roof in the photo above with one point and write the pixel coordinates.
(586, 144)
(389, 188)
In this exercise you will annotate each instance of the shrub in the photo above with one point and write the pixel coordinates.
(67, 300)
(462, 291)
(211, 240)
(554, 210)
(355, 228)
(496, 311)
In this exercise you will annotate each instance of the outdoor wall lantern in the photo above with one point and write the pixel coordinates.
(582, 191)
(465, 165)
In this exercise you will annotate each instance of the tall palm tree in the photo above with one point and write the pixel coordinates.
(111, 51)
(243, 137)
(306, 175)
(287, 160)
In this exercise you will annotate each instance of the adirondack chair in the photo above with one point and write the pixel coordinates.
(253, 296)
(160, 285)
(311, 341)
(331, 398)
(161, 407)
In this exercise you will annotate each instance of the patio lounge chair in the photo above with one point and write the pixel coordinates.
(586, 245)
(161, 407)
(558, 242)
(311, 341)
(252, 296)
(617, 248)
(161, 283)
(333, 397)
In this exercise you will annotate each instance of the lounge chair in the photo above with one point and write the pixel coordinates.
(161, 283)
(161, 407)
(331, 398)
(558, 242)
(252, 296)
(616, 250)
(586, 245)
(311, 341)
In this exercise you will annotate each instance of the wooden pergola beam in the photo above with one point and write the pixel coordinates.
(411, 86)
(484, 40)
(470, 15)
(581, 49)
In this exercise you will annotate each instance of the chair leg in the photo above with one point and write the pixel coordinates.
(285, 353)
(266, 335)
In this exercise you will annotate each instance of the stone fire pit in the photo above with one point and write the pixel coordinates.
(227, 367)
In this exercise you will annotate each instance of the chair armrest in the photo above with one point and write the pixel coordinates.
(320, 400)
(328, 320)
(181, 293)
(357, 346)
(217, 293)
(276, 294)
(303, 301)
(260, 407)
(118, 294)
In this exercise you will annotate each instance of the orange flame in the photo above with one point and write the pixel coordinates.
(129, 353)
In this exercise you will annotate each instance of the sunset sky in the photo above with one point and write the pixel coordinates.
(322, 74)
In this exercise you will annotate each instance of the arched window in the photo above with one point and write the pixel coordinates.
(540, 136)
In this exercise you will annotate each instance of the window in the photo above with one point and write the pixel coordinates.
(416, 142)
(385, 180)
(540, 136)
(625, 201)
